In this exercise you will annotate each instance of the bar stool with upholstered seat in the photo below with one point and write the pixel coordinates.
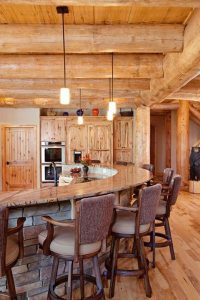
(11, 249)
(162, 216)
(77, 240)
(133, 223)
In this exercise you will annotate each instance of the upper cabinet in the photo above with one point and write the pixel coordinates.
(53, 129)
(76, 140)
(123, 139)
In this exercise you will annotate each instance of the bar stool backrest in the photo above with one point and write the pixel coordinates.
(148, 201)
(3, 238)
(175, 188)
(168, 175)
(95, 218)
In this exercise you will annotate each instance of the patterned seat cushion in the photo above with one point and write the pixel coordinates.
(125, 223)
(63, 242)
(161, 209)
(12, 250)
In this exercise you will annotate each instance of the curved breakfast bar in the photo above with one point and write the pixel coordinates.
(33, 271)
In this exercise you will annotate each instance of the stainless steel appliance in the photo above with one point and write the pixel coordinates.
(48, 176)
(77, 156)
(53, 152)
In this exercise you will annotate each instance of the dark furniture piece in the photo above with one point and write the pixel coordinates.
(195, 163)
(133, 223)
(162, 217)
(77, 240)
(11, 248)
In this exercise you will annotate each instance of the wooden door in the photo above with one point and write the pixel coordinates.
(19, 158)
(100, 144)
(76, 140)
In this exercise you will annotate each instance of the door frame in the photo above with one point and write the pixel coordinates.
(3, 149)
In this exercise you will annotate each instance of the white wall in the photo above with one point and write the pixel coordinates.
(194, 133)
(21, 116)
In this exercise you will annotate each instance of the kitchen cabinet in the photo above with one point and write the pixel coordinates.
(76, 140)
(123, 139)
(100, 142)
(53, 129)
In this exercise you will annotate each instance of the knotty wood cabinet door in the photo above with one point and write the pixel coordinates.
(19, 158)
(76, 140)
(53, 129)
(123, 139)
(100, 142)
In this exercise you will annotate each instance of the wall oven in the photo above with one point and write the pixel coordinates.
(49, 176)
(52, 152)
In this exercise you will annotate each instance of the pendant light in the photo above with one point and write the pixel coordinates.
(80, 113)
(64, 91)
(109, 112)
(112, 104)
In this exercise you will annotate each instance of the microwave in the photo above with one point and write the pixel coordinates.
(53, 152)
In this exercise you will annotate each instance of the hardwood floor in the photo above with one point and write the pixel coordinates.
(179, 279)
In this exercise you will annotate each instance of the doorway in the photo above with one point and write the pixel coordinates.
(19, 157)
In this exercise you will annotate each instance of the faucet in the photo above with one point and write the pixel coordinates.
(53, 167)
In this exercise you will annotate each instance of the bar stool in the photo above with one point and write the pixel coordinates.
(162, 216)
(11, 248)
(133, 223)
(77, 240)
(166, 180)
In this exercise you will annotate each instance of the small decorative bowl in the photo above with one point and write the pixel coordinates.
(75, 170)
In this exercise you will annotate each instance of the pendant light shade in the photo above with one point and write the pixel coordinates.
(80, 120)
(64, 96)
(64, 91)
(112, 106)
(109, 115)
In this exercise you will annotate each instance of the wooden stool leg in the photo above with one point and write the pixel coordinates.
(114, 267)
(11, 284)
(69, 283)
(153, 237)
(98, 276)
(81, 279)
(168, 233)
(147, 285)
(53, 274)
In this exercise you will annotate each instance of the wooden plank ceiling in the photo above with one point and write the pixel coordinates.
(156, 46)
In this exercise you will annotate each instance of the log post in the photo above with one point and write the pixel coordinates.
(142, 136)
(168, 140)
(182, 146)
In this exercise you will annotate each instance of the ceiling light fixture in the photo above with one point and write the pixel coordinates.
(112, 104)
(64, 91)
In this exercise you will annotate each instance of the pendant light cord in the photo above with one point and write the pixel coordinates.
(112, 76)
(80, 98)
(63, 25)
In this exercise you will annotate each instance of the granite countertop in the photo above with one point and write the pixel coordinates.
(125, 177)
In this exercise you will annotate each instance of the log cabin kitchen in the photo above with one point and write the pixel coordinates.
(99, 149)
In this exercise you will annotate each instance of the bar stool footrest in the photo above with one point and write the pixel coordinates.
(64, 278)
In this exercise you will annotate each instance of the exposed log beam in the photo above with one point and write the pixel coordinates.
(192, 96)
(195, 112)
(191, 86)
(179, 68)
(152, 3)
(81, 66)
(165, 106)
(97, 84)
(54, 94)
(194, 119)
(75, 104)
(26, 39)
